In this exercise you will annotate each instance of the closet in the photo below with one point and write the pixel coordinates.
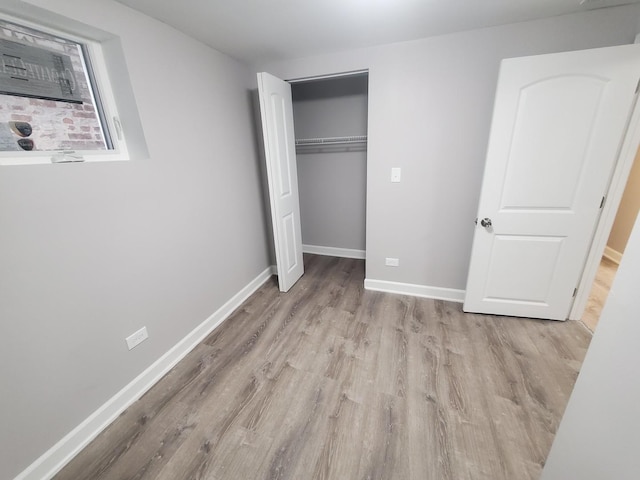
(330, 121)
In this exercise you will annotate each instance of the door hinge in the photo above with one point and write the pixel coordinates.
(575, 290)
(638, 86)
(602, 201)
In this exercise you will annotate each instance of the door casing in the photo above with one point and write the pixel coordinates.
(293, 81)
(619, 178)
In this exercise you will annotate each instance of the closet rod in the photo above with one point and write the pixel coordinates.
(331, 140)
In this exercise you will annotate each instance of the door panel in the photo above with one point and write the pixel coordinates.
(503, 280)
(543, 143)
(290, 237)
(276, 111)
(558, 124)
(284, 165)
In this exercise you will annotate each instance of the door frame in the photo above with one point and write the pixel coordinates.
(622, 168)
(329, 76)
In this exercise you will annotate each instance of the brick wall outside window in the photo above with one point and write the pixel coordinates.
(56, 125)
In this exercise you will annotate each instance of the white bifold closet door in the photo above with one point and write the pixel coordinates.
(558, 124)
(276, 111)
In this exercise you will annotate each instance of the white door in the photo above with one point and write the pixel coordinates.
(558, 123)
(276, 111)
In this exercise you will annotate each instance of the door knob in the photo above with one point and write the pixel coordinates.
(485, 222)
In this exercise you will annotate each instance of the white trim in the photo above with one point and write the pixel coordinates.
(614, 193)
(334, 252)
(613, 255)
(437, 293)
(54, 459)
(329, 76)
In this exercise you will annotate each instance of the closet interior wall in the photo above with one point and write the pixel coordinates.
(332, 178)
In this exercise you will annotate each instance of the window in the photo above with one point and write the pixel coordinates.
(55, 101)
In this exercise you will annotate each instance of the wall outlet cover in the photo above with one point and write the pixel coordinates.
(137, 338)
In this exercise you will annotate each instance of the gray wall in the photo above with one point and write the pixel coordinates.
(430, 105)
(599, 435)
(332, 181)
(89, 253)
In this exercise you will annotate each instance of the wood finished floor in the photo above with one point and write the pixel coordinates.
(599, 292)
(330, 381)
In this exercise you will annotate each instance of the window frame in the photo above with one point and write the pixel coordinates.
(95, 66)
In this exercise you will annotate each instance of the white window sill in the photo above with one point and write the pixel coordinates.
(48, 158)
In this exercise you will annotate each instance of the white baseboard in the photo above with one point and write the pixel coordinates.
(334, 252)
(54, 459)
(612, 255)
(437, 293)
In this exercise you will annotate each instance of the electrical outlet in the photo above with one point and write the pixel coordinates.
(137, 338)
(396, 173)
(392, 262)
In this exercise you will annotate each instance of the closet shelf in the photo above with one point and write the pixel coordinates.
(331, 140)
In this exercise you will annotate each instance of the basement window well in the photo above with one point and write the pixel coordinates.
(56, 104)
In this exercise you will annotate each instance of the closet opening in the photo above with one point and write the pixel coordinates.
(330, 123)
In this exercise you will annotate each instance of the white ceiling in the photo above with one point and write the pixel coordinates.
(253, 30)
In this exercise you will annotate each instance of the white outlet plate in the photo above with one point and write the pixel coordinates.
(396, 174)
(137, 338)
(392, 262)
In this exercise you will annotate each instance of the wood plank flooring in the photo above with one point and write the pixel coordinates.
(330, 381)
